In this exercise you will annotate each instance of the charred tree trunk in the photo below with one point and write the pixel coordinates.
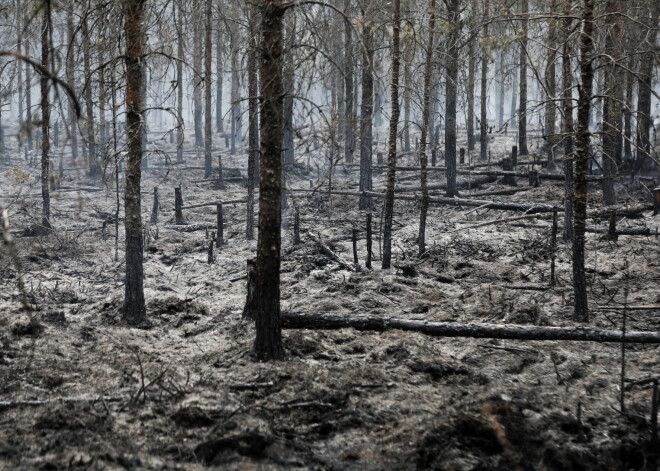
(197, 72)
(551, 87)
(236, 127)
(450, 108)
(71, 79)
(502, 84)
(349, 127)
(522, 117)
(469, 125)
(91, 140)
(179, 82)
(219, 125)
(208, 125)
(426, 108)
(134, 307)
(391, 156)
(567, 124)
(612, 110)
(583, 137)
(45, 117)
(253, 130)
(366, 114)
(644, 91)
(268, 343)
(627, 114)
(407, 65)
(484, 87)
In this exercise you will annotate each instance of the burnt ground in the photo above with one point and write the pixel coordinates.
(79, 389)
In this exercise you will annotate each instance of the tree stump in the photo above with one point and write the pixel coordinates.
(656, 201)
(220, 218)
(514, 157)
(507, 165)
(250, 309)
(462, 155)
(154, 211)
(178, 206)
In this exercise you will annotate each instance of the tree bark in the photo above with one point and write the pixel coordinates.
(551, 86)
(450, 108)
(583, 137)
(484, 86)
(426, 108)
(522, 117)
(197, 72)
(268, 342)
(71, 79)
(366, 113)
(91, 140)
(219, 125)
(469, 125)
(391, 156)
(253, 130)
(567, 124)
(134, 306)
(612, 110)
(236, 124)
(645, 79)
(179, 82)
(349, 126)
(45, 117)
(208, 125)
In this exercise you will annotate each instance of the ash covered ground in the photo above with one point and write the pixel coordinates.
(79, 389)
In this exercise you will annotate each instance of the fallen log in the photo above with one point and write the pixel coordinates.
(190, 227)
(212, 203)
(460, 185)
(330, 253)
(457, 329)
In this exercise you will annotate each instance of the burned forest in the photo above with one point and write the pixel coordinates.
(329, 234)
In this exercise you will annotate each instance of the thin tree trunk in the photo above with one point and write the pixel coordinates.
(522, 118)
(134, 307)
(220, 128)
(253, 130)
(197, 72)
(500, 102)
(484, 86)
(644, 87)
(349, 130)
(426, 108)
(469, 125)
(514, 97)
(612, 110)
(407, 65)
(208, 125)
(236, 128)
(391, 156)
(551, 86)
(179, 82)
(450, 108)
(366, 113)
(45, 118)
(567, 124)
(627, 115)
(71, 79)
(581, 159)
(91, 139)
(268, 342)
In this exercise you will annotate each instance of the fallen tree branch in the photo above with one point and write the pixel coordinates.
(330, 253)
(457, 329)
